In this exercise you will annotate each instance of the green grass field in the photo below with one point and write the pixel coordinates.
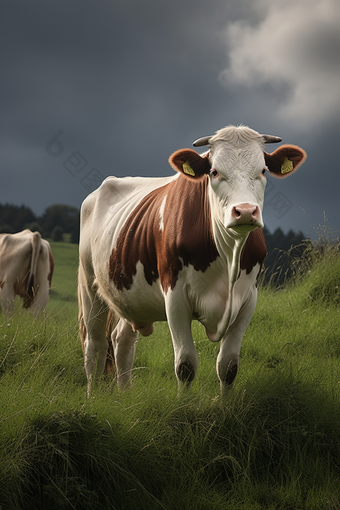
(272, 443)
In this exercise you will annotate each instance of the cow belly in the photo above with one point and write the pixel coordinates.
(141, 305)
(208, 292)
(141, 313)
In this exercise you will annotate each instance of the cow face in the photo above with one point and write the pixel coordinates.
(238, 181)
(237, 165)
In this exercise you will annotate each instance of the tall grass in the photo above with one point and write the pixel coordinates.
(273, 442)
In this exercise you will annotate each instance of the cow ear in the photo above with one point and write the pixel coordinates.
(189, 163)
(285, 160)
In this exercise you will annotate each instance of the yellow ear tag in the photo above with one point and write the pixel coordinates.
(187, 169)
(287, 166)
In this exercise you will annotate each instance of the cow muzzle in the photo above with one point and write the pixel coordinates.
(245, 217)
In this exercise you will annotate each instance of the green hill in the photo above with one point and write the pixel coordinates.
(272, 443)
(64, 281)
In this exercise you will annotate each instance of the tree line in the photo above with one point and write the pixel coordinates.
(284, 254)
(56, 221)
(60, 220)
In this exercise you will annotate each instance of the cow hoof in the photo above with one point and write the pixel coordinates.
(231, 373)
(186, 373)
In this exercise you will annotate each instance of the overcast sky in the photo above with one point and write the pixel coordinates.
(91, 89)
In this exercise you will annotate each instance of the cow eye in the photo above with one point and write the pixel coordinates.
(214, 173)
(263, 171)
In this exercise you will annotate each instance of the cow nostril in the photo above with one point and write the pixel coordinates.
(246, 213)
(256, 212)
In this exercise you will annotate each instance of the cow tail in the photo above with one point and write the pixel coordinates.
(110, 325)
(110, 357)
(36, 244)
(82, 327)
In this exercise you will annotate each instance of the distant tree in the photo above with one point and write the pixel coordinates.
(75, 234)
(34, 227)
(65, 216)
(16, 216)
(6, 229)
(282, 250)
(57, 233)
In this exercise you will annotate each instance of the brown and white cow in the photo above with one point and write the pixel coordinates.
(178, 248)
(26, 268)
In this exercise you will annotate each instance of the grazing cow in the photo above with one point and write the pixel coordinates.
(178, 248)
(26, 268)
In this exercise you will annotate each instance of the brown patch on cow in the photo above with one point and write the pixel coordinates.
(185, 238)
(254, 251)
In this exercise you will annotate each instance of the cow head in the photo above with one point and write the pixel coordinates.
(236, 164)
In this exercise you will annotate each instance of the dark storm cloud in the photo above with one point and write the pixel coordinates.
(130, 82)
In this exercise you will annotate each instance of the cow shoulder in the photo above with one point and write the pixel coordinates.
(170, 227)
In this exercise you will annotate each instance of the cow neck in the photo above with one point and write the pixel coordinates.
(229, 246)
(228, 242)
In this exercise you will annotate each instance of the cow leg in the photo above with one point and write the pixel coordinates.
(7, 297)
(228, 356)
(94, 315)
(41, 284)
(40, 300)
(179, 316)
(124, 345)
(95, 342)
